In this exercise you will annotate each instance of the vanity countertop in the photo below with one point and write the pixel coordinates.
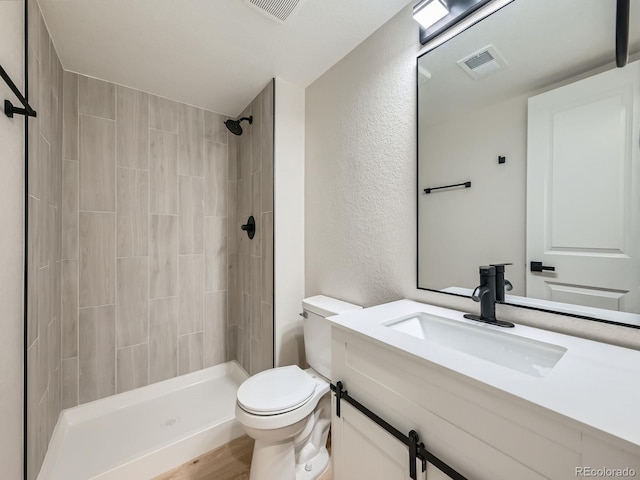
(594, 383)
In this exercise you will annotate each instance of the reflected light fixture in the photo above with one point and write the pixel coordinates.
(439, 16)
(428, 12)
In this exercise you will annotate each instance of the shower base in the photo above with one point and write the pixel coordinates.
(142, 433)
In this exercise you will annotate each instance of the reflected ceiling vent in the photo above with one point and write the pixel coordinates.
(278, 10)
(483, 63)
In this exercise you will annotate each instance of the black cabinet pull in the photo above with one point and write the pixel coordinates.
(539, 267)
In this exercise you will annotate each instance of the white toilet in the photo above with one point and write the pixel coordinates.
(287, 410)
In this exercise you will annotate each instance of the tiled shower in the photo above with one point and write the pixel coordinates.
(138, 269)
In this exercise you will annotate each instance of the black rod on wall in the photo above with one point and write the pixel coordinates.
(9, 109)
(25, 421)
(622, 32)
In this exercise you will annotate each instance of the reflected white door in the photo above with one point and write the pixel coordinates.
(583, 195)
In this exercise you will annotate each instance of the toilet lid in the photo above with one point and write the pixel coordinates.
(276, 391)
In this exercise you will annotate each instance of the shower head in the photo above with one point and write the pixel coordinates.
(234, 125)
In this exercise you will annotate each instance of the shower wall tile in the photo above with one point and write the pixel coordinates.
(252, 179)
(215, 254)
(243, 208)
(163, 172)
(256, 134)
(163, 114)
(244, 157)
(132, 304)
(191, 306)
(245, 313)
(69, 209)
(245, 266)
(97, 259)
(267, 257)
(267, 334)
(44, 317)
(69, 308)
(214, 128)
(132, 216)
(232, 157)
(34, 158)
(256, 297)
(56, 298)
(97, 164)
(147, 262)
(132, 128)
(69, 382)
(96, 353)
(216, 173)
(132, 367)
(243, 348)
(70, 116)
(43, 247)
(191, 135)
(255, 356)
(267, 168)
(233, 292)
(41, 426)
(215, 328)
(163, 339)
(33, 266)
(50, 235)
(54, 349)
(163, 256)
(231, 343)
(191, 203)
(96, 97)
(43, 210)
(233, 224)
(32, 411)
(190, 353)
(256, 209)
(33, 25)
(44, 111)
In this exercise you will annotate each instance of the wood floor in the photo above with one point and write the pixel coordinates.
(229, 462)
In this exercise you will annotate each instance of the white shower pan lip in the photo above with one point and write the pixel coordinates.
(145, 432)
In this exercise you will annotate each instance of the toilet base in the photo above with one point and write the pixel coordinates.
(277, 462)
(315, 467)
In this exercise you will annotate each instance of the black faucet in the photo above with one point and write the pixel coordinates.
(485, 293)
(502, 284)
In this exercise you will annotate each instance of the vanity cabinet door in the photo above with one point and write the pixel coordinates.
(361, 449)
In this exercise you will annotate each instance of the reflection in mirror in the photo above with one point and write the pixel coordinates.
(528, 106)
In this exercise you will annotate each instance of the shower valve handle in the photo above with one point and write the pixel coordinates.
(250, 227)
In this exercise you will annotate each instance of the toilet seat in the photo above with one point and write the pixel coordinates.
(276, 391)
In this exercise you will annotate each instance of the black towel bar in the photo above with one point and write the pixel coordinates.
(464, 184)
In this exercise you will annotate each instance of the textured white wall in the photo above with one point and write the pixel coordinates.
(360, 179)
(11, 244)
(289, 222)
(360, 170)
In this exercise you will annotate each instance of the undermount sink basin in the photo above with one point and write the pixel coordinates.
(524, 355)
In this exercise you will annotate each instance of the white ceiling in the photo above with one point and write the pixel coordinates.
(215, 54)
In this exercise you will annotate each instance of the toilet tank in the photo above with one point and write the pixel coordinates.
(317, 330)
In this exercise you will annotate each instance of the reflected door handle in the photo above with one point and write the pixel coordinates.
(539, 267)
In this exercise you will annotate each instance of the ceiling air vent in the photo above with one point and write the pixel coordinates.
(482, 63)
(278, 10)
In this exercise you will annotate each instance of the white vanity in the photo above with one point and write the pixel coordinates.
(493, 403)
